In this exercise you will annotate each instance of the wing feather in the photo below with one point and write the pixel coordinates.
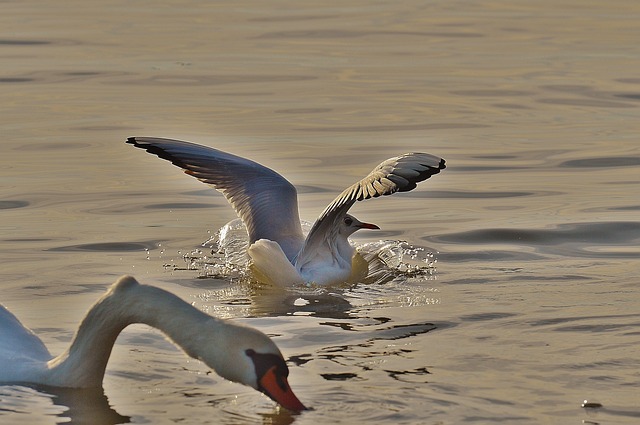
(398, 174)
(266, 201)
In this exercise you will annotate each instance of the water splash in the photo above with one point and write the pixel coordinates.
(388, 260)
(224, 255)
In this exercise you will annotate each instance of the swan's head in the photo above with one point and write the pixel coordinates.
(247, 356)
(350, 224)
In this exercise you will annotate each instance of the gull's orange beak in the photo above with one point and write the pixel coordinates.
(277, 388)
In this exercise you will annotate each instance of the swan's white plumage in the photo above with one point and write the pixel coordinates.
(267, 204)
(22, 353)
(221, 345)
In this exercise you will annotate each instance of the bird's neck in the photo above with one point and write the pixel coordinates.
(83, 364)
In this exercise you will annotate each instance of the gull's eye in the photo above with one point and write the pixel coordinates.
(348, 221)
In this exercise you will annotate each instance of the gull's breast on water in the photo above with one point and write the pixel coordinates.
(270, 265)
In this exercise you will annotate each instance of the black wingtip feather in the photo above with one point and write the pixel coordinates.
(428, 172)
(134, 142)
(158, 151)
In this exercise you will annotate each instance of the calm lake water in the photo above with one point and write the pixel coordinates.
(534, 227)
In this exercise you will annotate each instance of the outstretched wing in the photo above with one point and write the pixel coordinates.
(265, 201)
(399, 174)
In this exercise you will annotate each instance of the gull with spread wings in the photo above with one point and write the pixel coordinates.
(268, 206)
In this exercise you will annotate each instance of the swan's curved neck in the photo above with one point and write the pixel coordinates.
(83, 364)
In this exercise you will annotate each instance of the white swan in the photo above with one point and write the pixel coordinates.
(237, 353)
(267, 204)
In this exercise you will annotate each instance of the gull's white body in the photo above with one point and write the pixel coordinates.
(267, 204)
(332, 264)
(221, 345)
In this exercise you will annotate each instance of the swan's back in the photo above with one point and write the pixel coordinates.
(20, 348)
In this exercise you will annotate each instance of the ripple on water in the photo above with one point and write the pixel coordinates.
(108, 247)
(603, 162)
(592, 240)
(489, 256)
(64, 404)
(458, 194)
(7, 205)
(18, 42)
(178, 205)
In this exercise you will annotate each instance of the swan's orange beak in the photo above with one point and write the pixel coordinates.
(277, 388)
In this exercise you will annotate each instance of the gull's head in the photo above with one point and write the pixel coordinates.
(247, 356)
(350, 224)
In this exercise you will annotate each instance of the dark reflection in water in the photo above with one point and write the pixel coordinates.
(586, 102)
(108, 247)
(302, 111)
(56, 77)
(5, 42)
(214, 80)
(10, 80)
(409, 376)
(604, 162)
(85, 406)
(633, 96)
(481, 317)
(338, 376)
(272, 301)
(572, 239)
(281, 417)
(7, 205)
(178, 205)
(488, 256)
(375, 345)
(392, 127)
(599, 319)
(492, 93)
(333, 33)
(614, 208)
(586, 96)
(457, 194)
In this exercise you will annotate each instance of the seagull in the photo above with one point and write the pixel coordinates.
(268, 206)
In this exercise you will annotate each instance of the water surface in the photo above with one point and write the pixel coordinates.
(534, 226)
